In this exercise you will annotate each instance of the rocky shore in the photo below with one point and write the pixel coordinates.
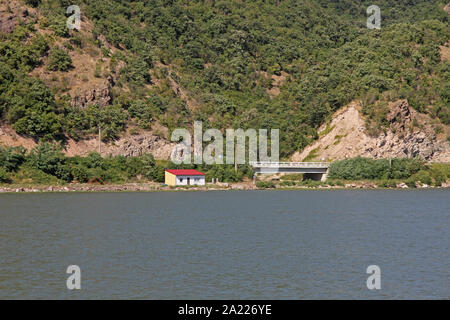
(149, 187)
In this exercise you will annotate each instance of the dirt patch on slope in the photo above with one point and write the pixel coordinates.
(276, 82)
(9, 138)
(445, 52)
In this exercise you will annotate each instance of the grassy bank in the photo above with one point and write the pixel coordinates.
(46, 167)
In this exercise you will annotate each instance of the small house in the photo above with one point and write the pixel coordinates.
(184, 177)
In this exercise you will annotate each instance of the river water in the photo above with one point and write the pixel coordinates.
(226, 244)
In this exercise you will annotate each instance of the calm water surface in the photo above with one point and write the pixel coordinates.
(226, 245)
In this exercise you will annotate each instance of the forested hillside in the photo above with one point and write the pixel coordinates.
(285, 64)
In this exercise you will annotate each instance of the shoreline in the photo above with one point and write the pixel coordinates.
(155, 187)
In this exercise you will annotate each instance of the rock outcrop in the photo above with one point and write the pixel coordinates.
(100, 96)
(8, 22)
(137, 145)
(447, 8)
(127, 145)
(346, 137)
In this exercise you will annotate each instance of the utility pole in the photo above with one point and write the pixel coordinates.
(99, 140)
(235, 159)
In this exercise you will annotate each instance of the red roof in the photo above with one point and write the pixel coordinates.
(185, 172)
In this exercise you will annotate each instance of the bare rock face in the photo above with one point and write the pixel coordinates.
(347, 137)
(127, 145)
(447, 8)
(414, 144)
(100, 96)
(403, 141)
(133, 146)
(8, 22)
(105, 42)
(399, 116)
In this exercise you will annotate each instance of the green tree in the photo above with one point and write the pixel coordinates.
(4, 176)
(12, 158)
(49, 158)
(32, 109)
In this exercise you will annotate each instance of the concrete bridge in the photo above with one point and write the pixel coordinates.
(310, 170)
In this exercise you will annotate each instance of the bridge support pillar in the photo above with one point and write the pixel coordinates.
(324, 177)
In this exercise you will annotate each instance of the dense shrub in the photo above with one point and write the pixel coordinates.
(136, 72)
(59, 25)
(158, 174)
(363, 168)
(224, 173)
(80, 174)
(111, 119)
(94, 160)
(59, 60)
(142, 112)
(423, 177)
(49, 158)
(148, 166)
(4, 176)
(11, 158)
(32, 109)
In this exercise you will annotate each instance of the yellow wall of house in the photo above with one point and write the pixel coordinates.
(170, 179)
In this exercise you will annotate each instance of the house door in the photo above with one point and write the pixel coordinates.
(189, 181)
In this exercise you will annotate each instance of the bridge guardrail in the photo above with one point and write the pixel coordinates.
(290, 164)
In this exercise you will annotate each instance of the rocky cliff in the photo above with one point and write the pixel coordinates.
(409, 134)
